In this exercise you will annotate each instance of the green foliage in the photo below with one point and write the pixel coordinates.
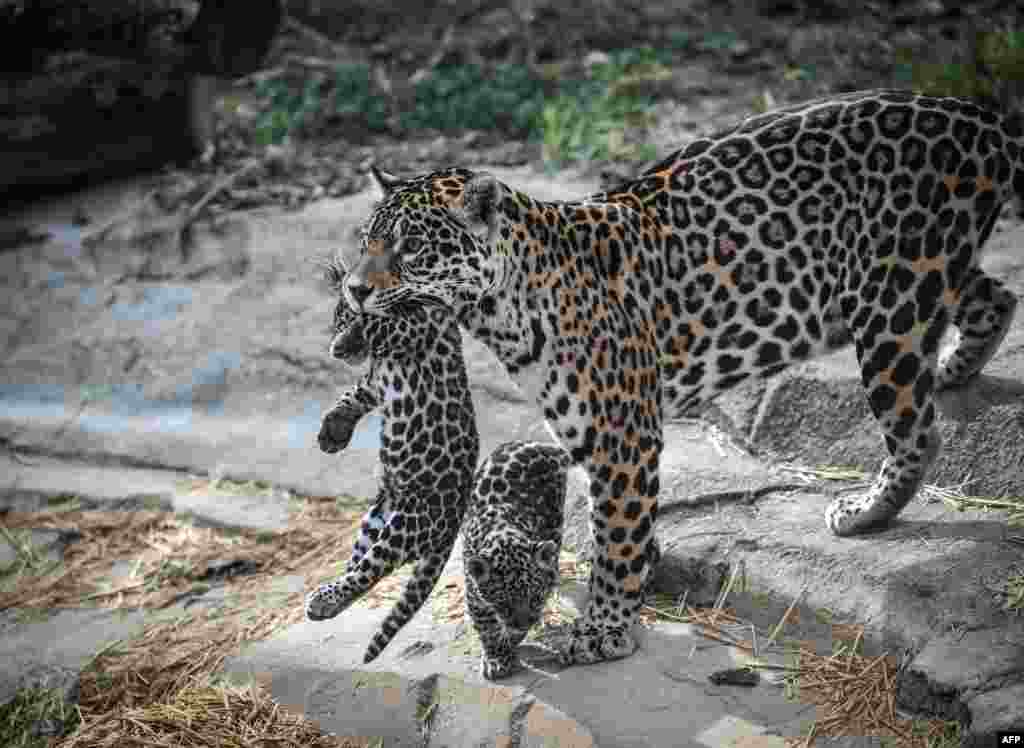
(348, 93)
(995, 58)
(583, 117)
(588, 118)
(352, 94)
(1003, 55)
(578, 128)
(286, 108)
(455, 97)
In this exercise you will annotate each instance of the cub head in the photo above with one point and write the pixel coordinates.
(514, 576)
(418, 332)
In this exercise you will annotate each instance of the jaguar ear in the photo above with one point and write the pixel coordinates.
(480, 200)
(478, 568)
(546, 553)
(383, 182)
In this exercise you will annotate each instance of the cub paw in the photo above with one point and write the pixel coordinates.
(590, 645)
(325, 602)
(335, 432)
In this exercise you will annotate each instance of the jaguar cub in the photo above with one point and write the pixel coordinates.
(511, 540)
(858, 216)
(429, 450)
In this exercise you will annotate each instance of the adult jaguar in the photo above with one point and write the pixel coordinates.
(736, 256)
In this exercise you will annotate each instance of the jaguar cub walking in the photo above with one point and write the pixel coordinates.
(429, 450)
(511, 540)
(861, 215)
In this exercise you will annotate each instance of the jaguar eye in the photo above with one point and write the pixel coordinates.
(411, 246)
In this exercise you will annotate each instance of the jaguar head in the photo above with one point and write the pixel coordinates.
(514, 577)
(430, 241)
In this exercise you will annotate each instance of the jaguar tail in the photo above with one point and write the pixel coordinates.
(424, 578)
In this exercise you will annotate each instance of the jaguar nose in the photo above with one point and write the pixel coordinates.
(359, 293)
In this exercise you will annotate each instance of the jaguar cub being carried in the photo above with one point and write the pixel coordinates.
(429, 450)
(860, 215)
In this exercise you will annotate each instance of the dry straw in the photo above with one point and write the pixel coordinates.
(200, 715)
(855, 695)
(154, 690)
(953, 496)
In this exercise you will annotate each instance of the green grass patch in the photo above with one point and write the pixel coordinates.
(266, 536)
(242, 487)
(63, 502)
(33, 717)
(32, 615)
(348, 501)
(28, 558)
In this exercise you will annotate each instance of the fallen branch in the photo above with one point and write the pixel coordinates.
(785, 616)
(315, 36)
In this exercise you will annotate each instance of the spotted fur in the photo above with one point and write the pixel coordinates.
(859, 216)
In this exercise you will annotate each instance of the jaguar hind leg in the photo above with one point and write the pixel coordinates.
(982, 319)
(624, 488)
(897, 483)
(897, 371)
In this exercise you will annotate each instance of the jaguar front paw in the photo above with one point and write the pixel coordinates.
(335, 432)
(592, 644)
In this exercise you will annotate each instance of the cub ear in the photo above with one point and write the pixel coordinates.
(480, 203)
(334, 270)
(383, 183)
(546, 553)
(478, 568)
(339, 261)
